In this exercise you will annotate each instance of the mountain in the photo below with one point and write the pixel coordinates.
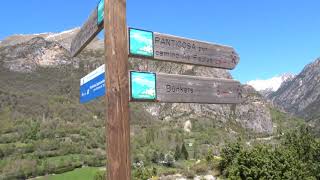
(266, 87)
(44, 129)
(26, 53)
(301, 95)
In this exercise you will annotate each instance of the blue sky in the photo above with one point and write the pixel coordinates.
(271, 36)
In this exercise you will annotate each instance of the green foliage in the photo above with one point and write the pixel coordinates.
(184, 152)
(155, 157)
(177, 153)
(169, 159)
(189, 173)
(1, 154)
(150, 137)
(154, 171)
(296, 158)
(200, 168)
(209, 156)
(283, 122)
(143, 173)
(229, 153)
(161, 157)
(86, 173)
(100, 175)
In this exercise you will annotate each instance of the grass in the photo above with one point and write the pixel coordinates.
(86, 173)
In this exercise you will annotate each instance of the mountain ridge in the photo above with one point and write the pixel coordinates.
(28, 55)
(301, 95)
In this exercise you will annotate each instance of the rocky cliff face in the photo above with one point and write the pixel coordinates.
(301, 95)
(25, 53)
(26, 56)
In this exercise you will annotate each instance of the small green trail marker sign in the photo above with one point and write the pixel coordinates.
(141, 42)
(100, 11)
(143, 86)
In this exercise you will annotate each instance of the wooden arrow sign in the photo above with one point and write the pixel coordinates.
(164, 47)
(146, 86)
(88, 31)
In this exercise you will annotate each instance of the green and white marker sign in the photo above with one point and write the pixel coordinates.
(143, 86)
(100, 10)
(141, 42)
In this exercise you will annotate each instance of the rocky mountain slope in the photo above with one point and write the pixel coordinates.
(24, 53)
(301, 95)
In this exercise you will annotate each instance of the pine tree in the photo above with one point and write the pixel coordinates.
(177, 153)
(155, 157)
(161, 157)
(184, 152)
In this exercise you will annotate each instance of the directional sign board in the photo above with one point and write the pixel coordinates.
(192, 89)
(183, 89)
(181, 50)
(92, 85)
(88, 31)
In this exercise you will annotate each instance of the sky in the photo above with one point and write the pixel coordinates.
(272, 37)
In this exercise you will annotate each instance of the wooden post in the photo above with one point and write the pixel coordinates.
(117, 91)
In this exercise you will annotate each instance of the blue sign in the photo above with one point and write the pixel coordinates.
(92, 85)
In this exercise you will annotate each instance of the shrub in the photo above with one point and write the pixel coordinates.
(229, 153)
(190, 174)
(177, 153)
(200, 168)
(100, 175)
(142, 173)
(184, 152)
(296, 158)
(169, 172)
(169, 160)
(1, 154)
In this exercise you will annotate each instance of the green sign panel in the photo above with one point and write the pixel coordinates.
(141, 42)
(100, 12)
(143, 86)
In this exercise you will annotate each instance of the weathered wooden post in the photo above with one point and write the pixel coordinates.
(117, 109)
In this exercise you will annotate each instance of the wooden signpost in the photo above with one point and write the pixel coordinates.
(148, 86)
(181, 50)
